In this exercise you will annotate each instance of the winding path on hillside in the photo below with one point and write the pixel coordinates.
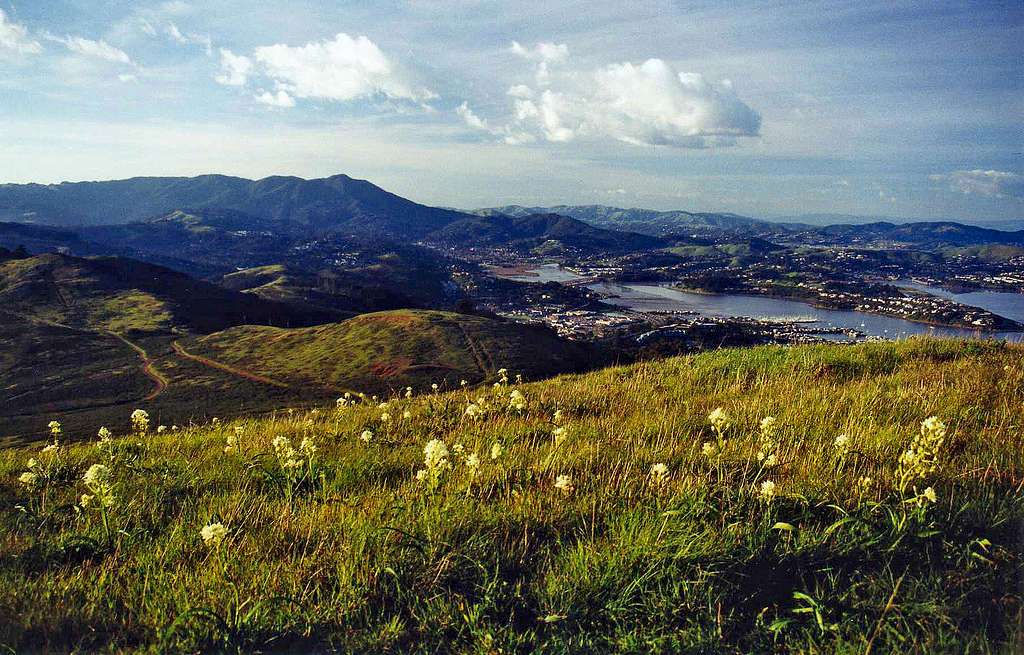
(205, 361)
(148, 367)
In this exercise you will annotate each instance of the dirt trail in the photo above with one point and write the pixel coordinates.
(148, 368)
(253, 377)
(474, 350)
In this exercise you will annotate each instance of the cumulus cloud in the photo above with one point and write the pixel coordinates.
(234, 69)
(470, 118)
(279, 99)
(15, 38)
(341, 69)
(97, 49)
(648, 104)
(991, 184)
(344, 68)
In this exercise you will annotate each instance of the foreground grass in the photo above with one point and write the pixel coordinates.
(564, 541)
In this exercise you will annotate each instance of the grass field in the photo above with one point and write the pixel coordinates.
(539, 518)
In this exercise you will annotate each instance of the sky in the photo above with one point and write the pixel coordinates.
(911, 110)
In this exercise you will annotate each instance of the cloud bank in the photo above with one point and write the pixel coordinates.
(991, 184)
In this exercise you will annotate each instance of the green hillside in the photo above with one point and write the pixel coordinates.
(392, 350)
(118, 294)
(615, 511)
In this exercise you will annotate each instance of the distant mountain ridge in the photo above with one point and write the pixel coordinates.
(644, 221)
(530, 231)
(332, 204)
(923, 234)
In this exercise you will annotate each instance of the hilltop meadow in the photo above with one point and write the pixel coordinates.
(812, 499)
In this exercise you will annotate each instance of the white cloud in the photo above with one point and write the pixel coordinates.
(520, 91)
(542, 52)
(15, 38)
(470, 118)
(234, 69)
(175, 8)
(647, 104)
(128, 77)
(992, 184)
(279, 99)
(97, 49)
(201, 40)
(175, 34)
(342, 69)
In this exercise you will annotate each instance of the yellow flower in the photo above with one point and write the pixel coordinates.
(767, 491)
(29, 479)
(497, 451)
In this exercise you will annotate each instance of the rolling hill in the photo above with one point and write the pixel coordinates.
(391, 350)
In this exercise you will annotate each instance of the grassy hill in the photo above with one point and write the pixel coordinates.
(572, 537)
(89, 337)
(391, 350)
(114, 293)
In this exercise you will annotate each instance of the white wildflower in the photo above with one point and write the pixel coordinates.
(842, 445)
(435, 455)
(559, 433)
(719, 420)
(659, 473)
(98, 475)
(564, 483)
(140, 421)
(214, 534)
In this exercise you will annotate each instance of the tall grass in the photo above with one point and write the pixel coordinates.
(335, 542)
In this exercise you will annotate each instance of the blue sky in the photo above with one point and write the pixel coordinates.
(768, 108)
